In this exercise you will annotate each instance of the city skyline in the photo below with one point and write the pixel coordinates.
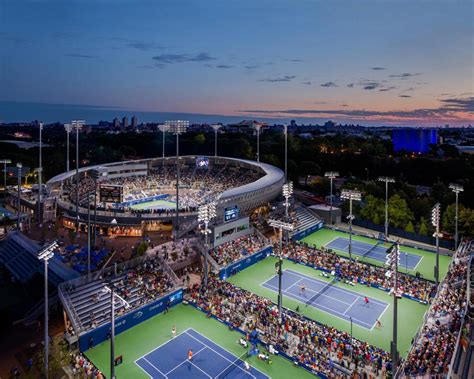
(372, 63)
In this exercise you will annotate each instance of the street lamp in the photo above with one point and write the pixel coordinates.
(177, 127)
(18, 166)
(111, 289)
(77, 124)
(386, 180)
(331, 175)
(456, 188)
(351, 195)
(67, 128)
(282, 225)
(216, 128)
(435, 217)
(5, 162)
(45, 255)
(206, 213)
(257, 128)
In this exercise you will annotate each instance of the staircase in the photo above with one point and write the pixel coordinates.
(306, 219)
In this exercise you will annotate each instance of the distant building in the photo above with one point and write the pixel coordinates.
(248, 126)
(116, 123)
(293, 123)
(134, 122)
(414, 140)
(124, 123)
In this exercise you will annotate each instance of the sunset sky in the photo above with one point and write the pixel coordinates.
(370, 62)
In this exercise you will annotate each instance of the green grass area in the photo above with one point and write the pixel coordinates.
(160, 204)
(141, 339)
(410, 313)
(425, 267)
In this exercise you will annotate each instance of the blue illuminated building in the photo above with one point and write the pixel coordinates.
(414, 140)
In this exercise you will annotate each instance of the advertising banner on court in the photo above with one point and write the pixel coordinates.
(100, 334)
(245, 262)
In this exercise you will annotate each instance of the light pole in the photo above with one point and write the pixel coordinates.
(18, 166)
(331, 175)
(386, 180)
(257, 128)
(77, 124)
(45, 255)
(287, 192)
(351, 195)
(281, 225)
(67, 128)
(40, 172)
(206, 213)
(111, 289)
(216, 128)
(163, 129)
(285, 131)
(435, 217)
(392, 260)
(5, 162)
(456, 188)
(177, 127)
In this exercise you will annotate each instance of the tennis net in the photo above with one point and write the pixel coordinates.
(323, 290)
(238, 365)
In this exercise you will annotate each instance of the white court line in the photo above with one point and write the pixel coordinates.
(292, 295)
(335, 288)
(295, 283)
(205, 373)
(228, 360)
(152, 365)
(186, 360)
(351, 305)
(335, 238)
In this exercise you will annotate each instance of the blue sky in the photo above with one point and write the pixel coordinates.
(400, 62)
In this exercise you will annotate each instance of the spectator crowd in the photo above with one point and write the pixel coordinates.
(239, 248)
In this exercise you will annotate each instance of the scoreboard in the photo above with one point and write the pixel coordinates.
(231, 213)
(111, 193)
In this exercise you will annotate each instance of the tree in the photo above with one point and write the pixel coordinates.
(398, 212)
(448, 220)
(373, 209)
(423, 227)
(410, 228)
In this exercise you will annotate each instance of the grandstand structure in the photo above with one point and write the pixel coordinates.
(148, 187)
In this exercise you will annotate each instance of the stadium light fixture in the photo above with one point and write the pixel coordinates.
(287, 192)
(257, 128)
(45, 255)
(5, 162)
(18, 172)
(111, 289)
(351, 195)
(435, 217)
(457, 189)
(281, 225)
(393, 257)
(216, 128)
(177, 127)
(77, 125)
(206, 213)
(386, 180)
(331, 175)
(67, 128)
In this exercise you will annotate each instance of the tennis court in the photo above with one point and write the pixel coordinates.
(328, 297)
(155, 204)
(210, 360)
(372, 251)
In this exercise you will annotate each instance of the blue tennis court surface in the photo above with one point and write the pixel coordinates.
(337, 301)
(377, 252)
(209, 360)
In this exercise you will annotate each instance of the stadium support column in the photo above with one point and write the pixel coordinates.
(386, 180)
(350, 195)
(456, 188)
(45, 255)
(281, 225)
(331, 175)
(18, 204)
(435, 217)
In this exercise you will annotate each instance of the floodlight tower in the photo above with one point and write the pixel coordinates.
(386, 180)
(287, 192)
(77, 124)
(40, 173)
(67, 128)
(206, 213)
(19, 167)
(285, 131)
(163, 129)
(456, 188)
(111, 289)
(216, 128)
(177, 127)
(257, 128)
(392, 261)
(5, 162)
(435, 217)
(351, 195)
(331, 175)
(45, 255)
(281, 225)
